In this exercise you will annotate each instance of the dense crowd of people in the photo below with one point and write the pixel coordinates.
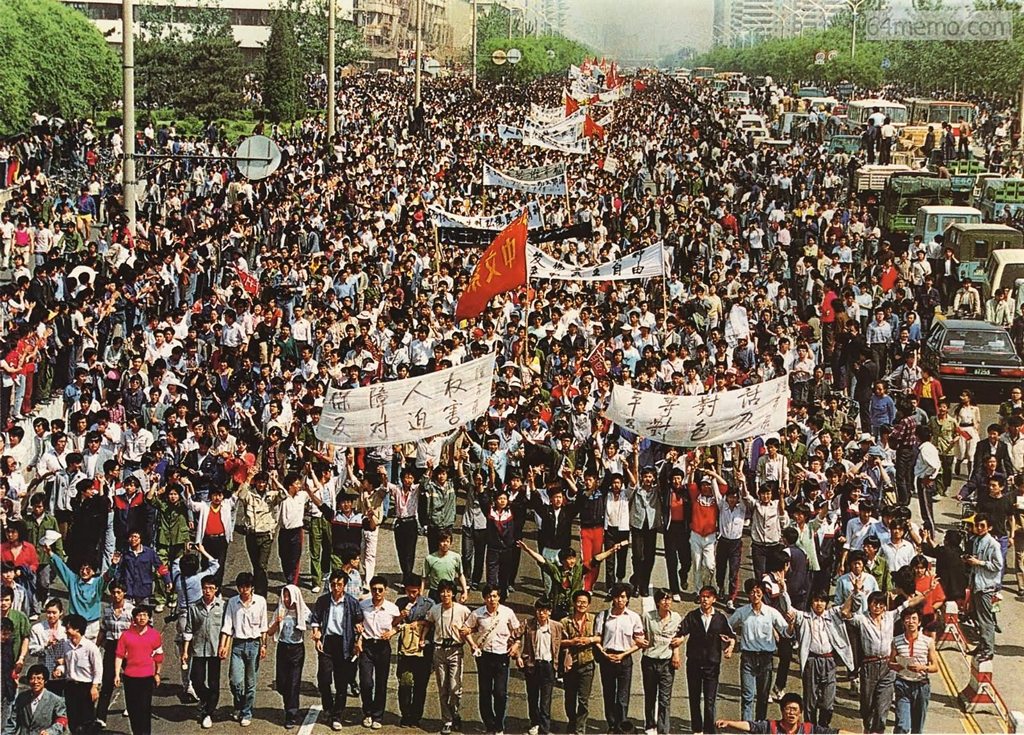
(189, 359)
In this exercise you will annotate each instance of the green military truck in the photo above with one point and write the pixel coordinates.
(904, 195)
(1001, 199)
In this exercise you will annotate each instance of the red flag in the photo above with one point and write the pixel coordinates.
(501, 268)
(591, 129)
(571, 105)
(639, 86)
(249, 282)
(612, 81)
(596, 361)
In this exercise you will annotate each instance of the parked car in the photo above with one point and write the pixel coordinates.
(968, 350)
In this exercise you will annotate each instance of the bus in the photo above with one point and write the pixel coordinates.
(936, 112)
(682, 74)
(704, 72)
(858, 112)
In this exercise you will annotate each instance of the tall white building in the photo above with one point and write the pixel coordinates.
(740, 21)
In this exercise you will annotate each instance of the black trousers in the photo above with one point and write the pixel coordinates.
(374, 666)
(702, 682)
(499, 568)
(406, 534)
(616, 680)
(289, 549)
(728, 553)
(205, 679)
(413, 675)
(615, 565)
(492, 669)
(540, 681)
(678, 558)
(644, 543)
(217, 547)
(138, 697)
(257, 545)
(288, 674)
(474, 544)
(579, 681)
(107, 689)
(333, 667)
(80, 707)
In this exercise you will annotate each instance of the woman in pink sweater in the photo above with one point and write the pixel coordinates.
(139, 656)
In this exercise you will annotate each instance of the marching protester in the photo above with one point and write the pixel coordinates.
(637, 337)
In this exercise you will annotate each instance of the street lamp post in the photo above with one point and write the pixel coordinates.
(128, 69)
(419, 51)
(473, 61)
(854, 7)
(332, 15)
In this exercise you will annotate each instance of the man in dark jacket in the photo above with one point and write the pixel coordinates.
(334, 621)
(798, 575)
(710, 636)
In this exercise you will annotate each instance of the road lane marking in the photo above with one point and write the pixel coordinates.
(310, 721)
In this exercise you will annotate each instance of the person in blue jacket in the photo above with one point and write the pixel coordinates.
(136, 566)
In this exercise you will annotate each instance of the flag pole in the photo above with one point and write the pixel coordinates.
(664, 288)
(568, 207)
(437, 248)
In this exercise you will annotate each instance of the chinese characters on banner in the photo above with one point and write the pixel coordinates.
(646, 263)
(544, 180)
(407, 410)
(442, 219)
(501, 268)
(700, 421)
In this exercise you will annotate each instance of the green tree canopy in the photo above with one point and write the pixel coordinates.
(52, 61)
(187, 58)
(536, 61)
(989, 68)
(283, 94)
(309, 20)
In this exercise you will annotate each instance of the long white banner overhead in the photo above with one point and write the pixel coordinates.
(545, 115)
(544, 180)
(574, 147)
(700, 421)
(444, 219)
(646, 263)
(407, 410)
(509, 132)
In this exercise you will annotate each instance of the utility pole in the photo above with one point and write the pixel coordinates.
(473, 60)
(332, 12)
(419, 51)
(128, 70)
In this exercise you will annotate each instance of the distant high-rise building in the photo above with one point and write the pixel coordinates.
(741, 20)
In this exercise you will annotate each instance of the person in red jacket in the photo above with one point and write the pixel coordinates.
(704, 502)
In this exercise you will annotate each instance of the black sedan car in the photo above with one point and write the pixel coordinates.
(964, 351)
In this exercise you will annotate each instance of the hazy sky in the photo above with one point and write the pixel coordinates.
(651, 28)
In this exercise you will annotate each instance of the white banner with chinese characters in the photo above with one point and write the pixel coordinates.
(646, 263)
(543, 180)
(443, 219)
(579, 147)
(407, 410)
(546, 115)
(700, 421)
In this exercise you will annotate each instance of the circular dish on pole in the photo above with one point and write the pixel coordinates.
(499, 57)
(514, 56)
(257, 157)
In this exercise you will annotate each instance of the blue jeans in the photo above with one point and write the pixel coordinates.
(911, 705)
(245, 664)
(755, 685)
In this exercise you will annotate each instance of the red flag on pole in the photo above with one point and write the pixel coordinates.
(613, 78)
(571, 105)
(501, 268)
(591, 129)
(639, 86)
(248, 281)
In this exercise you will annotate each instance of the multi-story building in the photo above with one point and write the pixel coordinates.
(388, 26)
(739, 21)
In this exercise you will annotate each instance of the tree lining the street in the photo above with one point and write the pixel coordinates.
(53, 61)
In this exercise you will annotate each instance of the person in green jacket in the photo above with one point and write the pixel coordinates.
(37, 524)
(172, 534)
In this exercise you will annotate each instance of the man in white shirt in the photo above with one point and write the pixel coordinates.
(926, 469)
(82, 667)
(245, 626)
(622, 634)
(492, 631)
(380, 616)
